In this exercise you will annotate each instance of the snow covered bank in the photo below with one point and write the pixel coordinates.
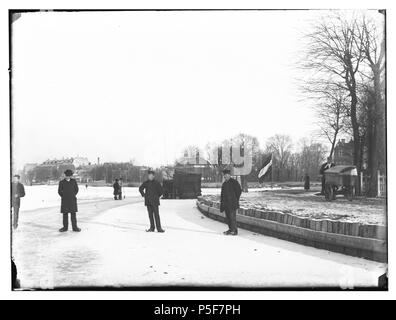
(368, 241)
(307, 205)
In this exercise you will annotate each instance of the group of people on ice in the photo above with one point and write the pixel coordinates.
(151, 190)
(117, 187)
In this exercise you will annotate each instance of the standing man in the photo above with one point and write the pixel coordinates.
(68, 190)
(327, 165)
(120, 193)
(17, 192)
(230, 194)
(306, 182)
(152, 190)
(117, 190)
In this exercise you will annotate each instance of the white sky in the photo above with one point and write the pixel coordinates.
(142, 85)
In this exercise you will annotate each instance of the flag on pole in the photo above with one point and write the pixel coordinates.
(265, 169)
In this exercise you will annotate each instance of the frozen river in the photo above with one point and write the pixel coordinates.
(114, 250)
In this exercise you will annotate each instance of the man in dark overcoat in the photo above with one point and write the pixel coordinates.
(306, 182)
(327, 165)
(68, 190)
(152, 190)
(17, 192)
(117, 190)
(229, 201)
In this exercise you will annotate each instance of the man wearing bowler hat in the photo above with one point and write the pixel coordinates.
(68, 190)
(230, 193)
(152, 190)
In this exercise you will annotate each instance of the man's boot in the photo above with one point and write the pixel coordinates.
(65, 223)
(74, 222)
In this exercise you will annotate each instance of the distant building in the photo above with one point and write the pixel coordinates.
(80, 162)
(57, 162)
(343, 152)
(76, 162)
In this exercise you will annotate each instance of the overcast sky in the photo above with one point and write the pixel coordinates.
(142, 85)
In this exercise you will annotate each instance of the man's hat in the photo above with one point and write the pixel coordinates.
(116, 180)
(68, 173)
(17, 176)
(226, 171)
(150, 172)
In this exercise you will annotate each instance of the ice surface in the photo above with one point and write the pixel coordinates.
(113, 249)
(45, 196)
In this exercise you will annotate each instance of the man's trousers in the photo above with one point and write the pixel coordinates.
(153, 212)
(73, 217)
(16, 216)
(231, 219)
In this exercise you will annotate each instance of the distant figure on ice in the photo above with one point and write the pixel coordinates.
(86, 186)
(17, 192)
(121, 185)
(68, 190)
(152, 190)
(229, 201)
(306, 182)
(329, 164)
(117, 190)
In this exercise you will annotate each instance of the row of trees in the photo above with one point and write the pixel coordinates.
(104, 172)
(291, 161)
(345, 63)
(45, 173)
(110, 171)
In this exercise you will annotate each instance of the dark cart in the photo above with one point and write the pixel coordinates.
(184, 185)
(340, 180)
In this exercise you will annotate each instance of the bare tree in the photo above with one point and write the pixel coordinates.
(335, 54)
(311, 156)
(331, 111)
(280, 146)
(374, 97)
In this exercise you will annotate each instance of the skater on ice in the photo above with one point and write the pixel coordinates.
(68, 190)
(229, 201)
(17, 192)
(152, 190)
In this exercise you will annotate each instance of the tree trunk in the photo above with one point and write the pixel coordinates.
(375, 134)
(333, 142)
(351, 84)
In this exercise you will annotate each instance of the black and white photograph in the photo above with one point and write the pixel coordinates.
(198, 149)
